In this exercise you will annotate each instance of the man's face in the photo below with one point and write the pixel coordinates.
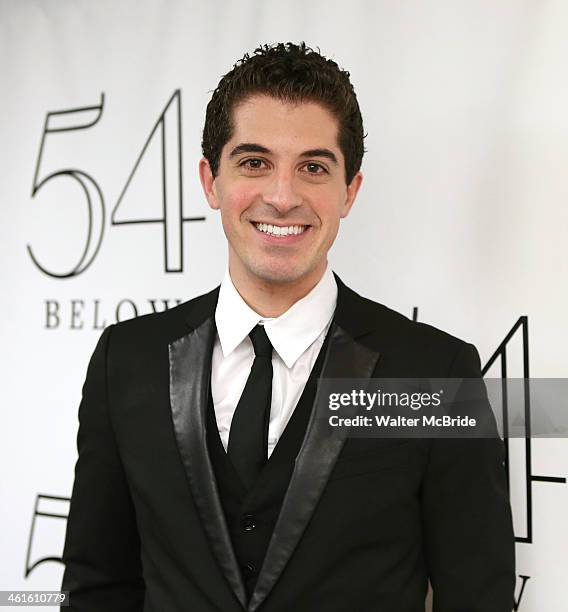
(281, 190)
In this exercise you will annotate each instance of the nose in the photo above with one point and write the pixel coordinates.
(281, 191)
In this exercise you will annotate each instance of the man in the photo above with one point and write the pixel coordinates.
(205, 482)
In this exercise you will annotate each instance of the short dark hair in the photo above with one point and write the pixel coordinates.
(292, 73)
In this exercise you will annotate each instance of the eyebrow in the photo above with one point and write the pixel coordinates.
(321, 153)
(252, 147)
(248, 147)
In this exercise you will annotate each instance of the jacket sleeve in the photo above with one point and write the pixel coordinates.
(468, 531)
(102, 548)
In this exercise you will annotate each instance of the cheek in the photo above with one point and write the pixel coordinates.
(237, 201)
(329, 210)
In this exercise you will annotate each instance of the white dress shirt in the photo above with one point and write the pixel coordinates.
(296, 336)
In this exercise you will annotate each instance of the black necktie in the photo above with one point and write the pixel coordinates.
(248, 438)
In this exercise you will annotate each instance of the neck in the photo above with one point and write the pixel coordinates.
(271, 299)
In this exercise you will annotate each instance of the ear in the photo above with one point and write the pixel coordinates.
(352, 190)
(208, 183)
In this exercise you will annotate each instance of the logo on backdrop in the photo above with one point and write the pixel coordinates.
(47, 531)
(168, 215)
(84, 314)
(168, 129)
(518, 452)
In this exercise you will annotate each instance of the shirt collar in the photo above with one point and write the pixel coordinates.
(291, 333)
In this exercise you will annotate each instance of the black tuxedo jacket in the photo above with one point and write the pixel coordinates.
(364, 523)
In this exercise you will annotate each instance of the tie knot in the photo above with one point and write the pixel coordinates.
(260, 342)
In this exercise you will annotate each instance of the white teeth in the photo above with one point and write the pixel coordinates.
(274, 230)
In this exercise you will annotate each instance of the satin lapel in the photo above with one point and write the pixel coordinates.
(190, 373)
(345, 358)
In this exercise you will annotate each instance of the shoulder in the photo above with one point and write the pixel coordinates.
(423, 348)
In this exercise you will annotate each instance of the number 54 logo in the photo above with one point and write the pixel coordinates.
(168, 129)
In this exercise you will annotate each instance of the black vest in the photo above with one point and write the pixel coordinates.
(251, 516)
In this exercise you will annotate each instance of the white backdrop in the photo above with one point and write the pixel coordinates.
(463, 212)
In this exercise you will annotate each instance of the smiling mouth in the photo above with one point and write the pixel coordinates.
(275, 230)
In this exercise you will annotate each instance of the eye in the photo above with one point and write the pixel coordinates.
(314, 168)
(253, 163)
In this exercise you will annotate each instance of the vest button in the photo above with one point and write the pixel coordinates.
(248, 522)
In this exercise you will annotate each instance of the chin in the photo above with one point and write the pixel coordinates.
(279, 275)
